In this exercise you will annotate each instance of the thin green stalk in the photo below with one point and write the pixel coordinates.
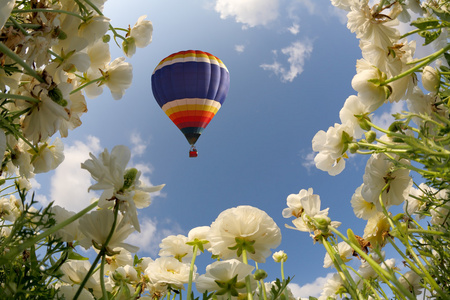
(102, 277)
(341, 268)
(101, 254)
(20, 11)
(431, 58)
(16, 24)
(20, 61)
(247, 279)
(20, 97)
(386, 276)
(419, 30)
(28, 243)
(86, 84)
(191, 271)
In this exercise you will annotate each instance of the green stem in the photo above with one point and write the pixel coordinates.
(21, 97)
(386, 276)
(431, 58)
(16, 24)
(101, 254)
(19, 11)
(247, 279)
(191, 271)
(86, 84)
(419, 30)
(102, 277)
(28, 243)
(19, 60)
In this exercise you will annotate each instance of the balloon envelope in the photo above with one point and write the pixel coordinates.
(190, 87)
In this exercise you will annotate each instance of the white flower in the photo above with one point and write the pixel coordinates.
(5, 11)
(411, 281)
(223, 272)
(428, 104)
(377, 28)
(331, 287)
(440, 214)
(371, 93)
(94, 28)
(376, 228)
(247, 223)
(332, 146)
(69, 291)
(430, 79)
(344, 251)
(118, 76)
(175, 246)
(200, 234)
(142, 32)
(74, 271)
(381, 172)
(77, 108)
(279, 256)
(96, 226)
(46, 114)
(353, 107)
(311, 211)
(70, 232)
(48, 157)
(361, 207)
(110, 173)
(294, 203)
(168, 270)
(120, 259)
(99, 55)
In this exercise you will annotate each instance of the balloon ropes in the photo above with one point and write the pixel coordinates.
(190, 87)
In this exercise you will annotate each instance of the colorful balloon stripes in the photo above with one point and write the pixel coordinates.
(190, 87)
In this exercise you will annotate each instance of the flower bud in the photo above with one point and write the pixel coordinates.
(106, 38)
(430, 79)
(322, 222)
(353, 147)
(370, 136)
(279, 256)
(260, 274)
(129, 178)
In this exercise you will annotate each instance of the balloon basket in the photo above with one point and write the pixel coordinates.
(193, 152)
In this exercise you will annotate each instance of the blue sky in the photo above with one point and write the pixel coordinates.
(291, 63)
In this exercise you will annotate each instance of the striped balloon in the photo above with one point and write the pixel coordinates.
(190, 87)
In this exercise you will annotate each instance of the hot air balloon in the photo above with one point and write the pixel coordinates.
(190, 87)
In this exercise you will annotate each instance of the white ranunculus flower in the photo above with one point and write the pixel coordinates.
(379, 172)
(344, 251)
(99, 55)
(142, 32)
(280, 256)
(430, 79)
(120, 259)
(411, 281)
(175, 246)
(353, 106)
(222, 272)
(294, 203)
(6, 7)
(96, 226)
(74, 271)
(331, 287)
(118, 77)
(379, 29)
(362, 208)
(69, 291)
(325, 162)
(49, 156)
(371, 94)
(169, 270)
(247, 223)
(376, 228)
(94, 28)
(70, 232)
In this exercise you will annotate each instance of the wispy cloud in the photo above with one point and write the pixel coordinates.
(308, 161)
(139, 145)
(309, 289)
(239, 48)
(294, 29)
(251, 13)
(296, 54)
(152, 232)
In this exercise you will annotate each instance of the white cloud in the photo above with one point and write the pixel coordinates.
(294, 29)
(69, 184)
(309, 4)
(239, 48)
(297, 53)
(339, 13)
(152, 232)
(310, 289)
(308, 161)
(249, 12)
(139, 146)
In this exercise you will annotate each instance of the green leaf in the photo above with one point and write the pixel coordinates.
(430, 36)
(76, 256)
(424, 23)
